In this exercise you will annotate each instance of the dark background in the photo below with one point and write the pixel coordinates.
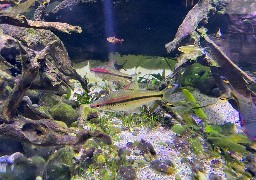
(145, 25)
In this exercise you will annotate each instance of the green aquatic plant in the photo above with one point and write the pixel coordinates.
(82, 98)
(197, 76)
(196, 145)
(227, 144)
(196, 107)
(179, 129)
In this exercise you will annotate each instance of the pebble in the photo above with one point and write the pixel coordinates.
(165, 166)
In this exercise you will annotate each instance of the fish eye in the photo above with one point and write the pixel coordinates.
(223, 98)
(226, 81)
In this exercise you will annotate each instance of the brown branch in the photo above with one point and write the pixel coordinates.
(68, 3)
(224, 59)
(29, 73)
(21, 21)
(190, 23)
(8, 2)
(46, 132)
(238, 78)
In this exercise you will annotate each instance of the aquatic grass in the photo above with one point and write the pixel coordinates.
(197, 109)
(179, 129)
(196, 145)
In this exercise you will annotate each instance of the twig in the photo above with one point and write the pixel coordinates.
(21, 21)
(46, 132)
(190, 23)
(68, 3)
(13, 2)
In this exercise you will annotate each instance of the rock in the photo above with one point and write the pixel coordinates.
(64, 112)
(165, 166)
(127, 173)
(87, 114)
(60, 164)
(33, 150)
(49, 100)
(34, 96)
(146, 147)
(40, 163)
(9, 145)
(18, 167)
(124, 152)
(216, 163)
(214, 177)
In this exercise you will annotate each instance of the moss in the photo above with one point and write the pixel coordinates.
(49, 100)
(60, 164)
(85, 110)
(31, 32)
(44, 110)
(64, 112)
(61, 124)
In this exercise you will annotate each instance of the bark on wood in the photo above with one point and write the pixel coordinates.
(21, 21)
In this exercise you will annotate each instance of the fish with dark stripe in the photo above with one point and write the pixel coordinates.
(127, 100)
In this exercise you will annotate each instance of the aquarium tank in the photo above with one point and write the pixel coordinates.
(127, 89)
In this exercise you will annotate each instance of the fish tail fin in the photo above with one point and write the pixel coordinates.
(168, 91)
(250, 131)
(133, 84)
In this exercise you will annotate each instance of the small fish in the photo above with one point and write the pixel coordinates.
(190, 49)
(128, 100)
(114, 40)
(218, 34)
(245, 106)
(111, 74)
(20, 8)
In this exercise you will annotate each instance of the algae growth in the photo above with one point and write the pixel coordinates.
(192, 132)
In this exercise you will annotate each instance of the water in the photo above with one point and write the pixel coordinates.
(130, 55)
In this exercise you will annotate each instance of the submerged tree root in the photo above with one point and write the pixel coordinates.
(46, 132)
(21, 21)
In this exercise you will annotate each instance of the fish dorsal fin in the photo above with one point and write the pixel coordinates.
(133, 85)
(169, 91)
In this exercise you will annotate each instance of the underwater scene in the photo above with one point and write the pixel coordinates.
(127, 89)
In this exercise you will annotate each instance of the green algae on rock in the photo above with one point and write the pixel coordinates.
(60, 164)
(64, 112)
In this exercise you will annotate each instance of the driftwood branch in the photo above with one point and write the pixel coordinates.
(21, 21)
(68, 3)
(238, 78)
(8, 2)
(190, 23)
(40, 12)
(46, 132)
(30, 69)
